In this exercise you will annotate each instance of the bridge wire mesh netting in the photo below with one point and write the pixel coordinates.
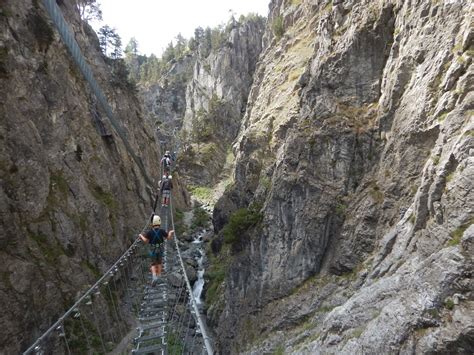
(169, 320)
(165, 314)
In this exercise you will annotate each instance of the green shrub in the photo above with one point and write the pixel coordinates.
(442, 117)
(240, 222)
(341, 209)
(433, 312)
(202, 193)
(449, 304)
(208, 152)
(200, 218)
(278, 27)
(178, 215)
(58, 180)
(266, 182)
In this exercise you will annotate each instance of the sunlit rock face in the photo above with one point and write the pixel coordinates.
(200, 102)
(357, 146)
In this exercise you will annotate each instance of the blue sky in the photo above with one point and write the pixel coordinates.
(154, 23)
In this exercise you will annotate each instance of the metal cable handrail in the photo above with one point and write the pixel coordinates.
(56, 16)
(197, 316)
(87, 294)
(93, 288)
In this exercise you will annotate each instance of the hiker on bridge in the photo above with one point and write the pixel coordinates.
(166, 161)
(156, 238)
(166, 185)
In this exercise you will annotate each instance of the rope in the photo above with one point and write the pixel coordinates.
(195, 308)
(56, 16)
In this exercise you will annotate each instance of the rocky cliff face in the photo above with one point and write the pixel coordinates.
(71, 200)
(358, 144)
(165, 102)
(203, 98)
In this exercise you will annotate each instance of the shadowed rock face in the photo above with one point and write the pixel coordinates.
(357, 141)
(71, 201)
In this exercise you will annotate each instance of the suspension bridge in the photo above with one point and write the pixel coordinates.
(122, 312)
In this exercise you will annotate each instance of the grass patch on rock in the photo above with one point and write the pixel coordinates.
(376, 194)
(457, 234)
(50, 251)
(278, 27)
(202, 193)
(104, 197)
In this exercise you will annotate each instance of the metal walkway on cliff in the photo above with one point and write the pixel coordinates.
(167, 317)
(122, 312)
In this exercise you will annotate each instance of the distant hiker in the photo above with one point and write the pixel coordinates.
(156, 238)
(166, 185)
(166, 161)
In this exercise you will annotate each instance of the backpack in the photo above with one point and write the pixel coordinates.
(166, 184)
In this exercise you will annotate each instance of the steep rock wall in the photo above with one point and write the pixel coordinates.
(203, 99)
(165, 102)
(71, 201)
(357, 141)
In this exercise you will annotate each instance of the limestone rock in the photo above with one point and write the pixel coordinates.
(357, 143)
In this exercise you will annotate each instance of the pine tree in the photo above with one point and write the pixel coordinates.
(110, 41)
(132, 60)
(169, 53)
(180, 47)
(132, 47)
(89, 10)
(116, 43)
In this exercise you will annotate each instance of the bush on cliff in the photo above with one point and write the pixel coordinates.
(240, 222)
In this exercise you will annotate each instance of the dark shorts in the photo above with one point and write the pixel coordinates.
(156, 256)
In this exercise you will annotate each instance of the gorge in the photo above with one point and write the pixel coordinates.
(334, 141)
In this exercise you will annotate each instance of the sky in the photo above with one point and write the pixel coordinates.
(154, 23)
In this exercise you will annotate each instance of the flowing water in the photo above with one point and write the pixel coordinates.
(199, 284)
